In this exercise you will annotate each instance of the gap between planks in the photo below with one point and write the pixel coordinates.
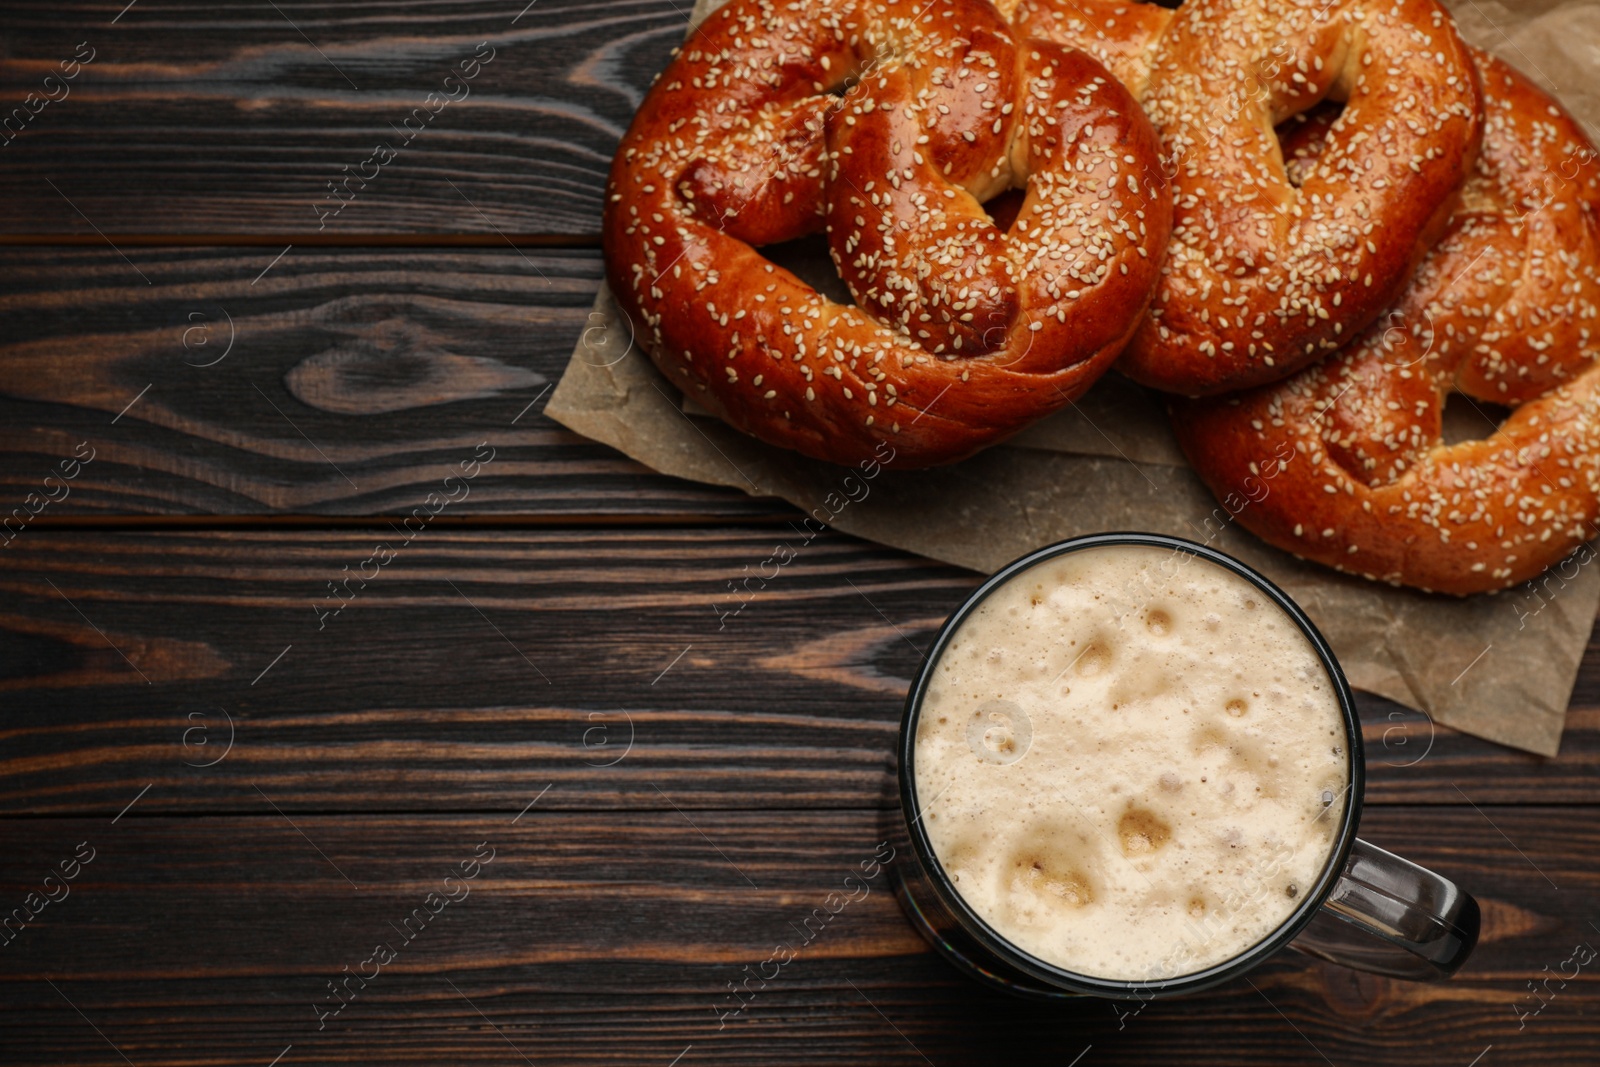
(246, 812)
(308, 240)
(159, 523)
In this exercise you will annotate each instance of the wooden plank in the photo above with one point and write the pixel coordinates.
(477, 667)
(612, 938)
(196, 118)
(356, 381)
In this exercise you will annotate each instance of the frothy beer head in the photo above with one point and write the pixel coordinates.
(1131, 763)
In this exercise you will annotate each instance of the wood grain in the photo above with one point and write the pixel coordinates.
(195, 117)
(611, 938)
(479, 666)
(355, 382)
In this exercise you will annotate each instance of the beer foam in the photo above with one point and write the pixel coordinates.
(1131, 763)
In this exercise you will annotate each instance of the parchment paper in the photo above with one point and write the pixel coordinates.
(1501, 667)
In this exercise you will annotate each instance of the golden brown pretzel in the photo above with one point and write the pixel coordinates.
(1121, 34)
(1506, 309)
(1265, 276)
(963, 334)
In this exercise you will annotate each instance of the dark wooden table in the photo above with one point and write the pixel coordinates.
(251, 792)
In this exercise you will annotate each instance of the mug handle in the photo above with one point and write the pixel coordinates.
(1389, 916)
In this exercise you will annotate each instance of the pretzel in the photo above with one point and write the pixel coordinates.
(886, 124)
(1265, 276)
(1345, 463)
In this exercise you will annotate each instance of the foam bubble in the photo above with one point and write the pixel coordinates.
(999, 731)
(1142, 832)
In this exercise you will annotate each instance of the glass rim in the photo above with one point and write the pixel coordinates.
(1072, 981)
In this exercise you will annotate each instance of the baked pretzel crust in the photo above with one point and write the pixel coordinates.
(1345, 464)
